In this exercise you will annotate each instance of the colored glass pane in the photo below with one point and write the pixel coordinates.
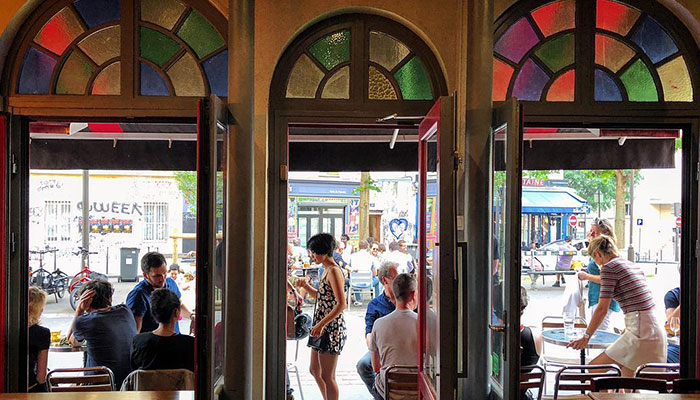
(200, 35)
(157, 47)
(108, 80)
(557, 53)
(611, 53)
(164, 13)
(502, 73)
(654, 40)
(75, 75)
(186, 77)
(639, 83)
(605, 87)
(332, 49)
(35, 75)
(555, 17)
(675, 80)
(59, 31)
(615, 17)
(216, 69)
(413, 81)
(338, 85)
(385, 50)
(152, 83)
(380, 88)
(304, 79)
(517, 41)
(530, 82)
(562, 89)
(97, 12)
(102, 45)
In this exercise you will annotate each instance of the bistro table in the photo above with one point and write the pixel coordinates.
(174, 395)
(644, 396)
(65, 348)
(599, 340)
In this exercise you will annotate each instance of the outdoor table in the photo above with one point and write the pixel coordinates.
(599, 340)
(645, 396)
(70, 349)
(181, 395)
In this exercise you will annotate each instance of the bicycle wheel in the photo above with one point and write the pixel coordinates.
(61, 283)
(75, 295)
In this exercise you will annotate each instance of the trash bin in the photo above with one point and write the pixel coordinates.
(129, 263)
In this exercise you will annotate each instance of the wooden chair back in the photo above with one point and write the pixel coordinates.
(94, 379)
(666, 371)
(578, 377)
(686, 385)
(532, 377)
(617, 383)
(401, 382)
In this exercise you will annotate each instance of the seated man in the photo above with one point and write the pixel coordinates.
(378, 307)
(107, 329)
(362, 261)
(163, 348)
(672, 301)
(386, 346)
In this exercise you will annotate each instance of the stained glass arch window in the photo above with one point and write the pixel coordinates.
(608, 50)
(362, 59)
(123, 49)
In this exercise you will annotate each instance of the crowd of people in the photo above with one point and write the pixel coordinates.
(142, 334)
(391, 309)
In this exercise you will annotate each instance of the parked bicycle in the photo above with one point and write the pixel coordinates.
(85, 275)
(55, 282)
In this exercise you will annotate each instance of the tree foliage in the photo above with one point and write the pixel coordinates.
(187, 184)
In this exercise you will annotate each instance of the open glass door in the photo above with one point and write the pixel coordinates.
(212, 135)
(437, 311)
(506, 173)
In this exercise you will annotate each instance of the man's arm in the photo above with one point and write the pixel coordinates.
(83, 305)
(673, 313)
(376, 363)
(136, 302)
(139, 322)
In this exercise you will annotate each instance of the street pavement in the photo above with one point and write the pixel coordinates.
(544, 300)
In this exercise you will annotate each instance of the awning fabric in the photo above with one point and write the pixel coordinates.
(551, 202)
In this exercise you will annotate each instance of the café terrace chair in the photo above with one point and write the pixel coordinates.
(159, 380)
(401, 382)
(666, 371)
(360, 281)
(686, 386)
(578, 377)
(552, 363)
(93, 379)
(617, 383)
(532, 377)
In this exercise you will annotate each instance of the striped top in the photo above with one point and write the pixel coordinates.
(623, 281)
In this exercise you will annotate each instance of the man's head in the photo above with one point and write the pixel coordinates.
(296, 242)
(404, 287)
(387, 272)
(370, 240)
(173, 270)
(402, 245)
(393, 246)
(374, 249)
(164, 305)
(567, 239)
(154, 269)
(103, 293)
(363, 245)
(344, 238)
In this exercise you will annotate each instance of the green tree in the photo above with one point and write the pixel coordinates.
(187, 183)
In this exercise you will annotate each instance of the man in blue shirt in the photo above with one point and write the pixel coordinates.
(378, 307)
(672, 301)
(154, 270)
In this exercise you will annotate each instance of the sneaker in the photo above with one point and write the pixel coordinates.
(357, 303)
(563, 280)
(556, 284)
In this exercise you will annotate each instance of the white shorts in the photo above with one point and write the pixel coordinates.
(644, 341)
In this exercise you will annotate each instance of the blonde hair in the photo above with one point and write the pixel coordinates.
(605, 244)
(36, 300)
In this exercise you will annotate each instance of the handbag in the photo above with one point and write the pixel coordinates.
(319, 342)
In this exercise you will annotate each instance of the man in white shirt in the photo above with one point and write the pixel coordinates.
(362, 261)
(386, 347)
(404, 259)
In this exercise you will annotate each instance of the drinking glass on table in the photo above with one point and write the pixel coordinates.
(675, 325)
(568, 324)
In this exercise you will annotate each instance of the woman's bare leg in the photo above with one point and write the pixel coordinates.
(605, 359)
(315, 370)
(328, 363)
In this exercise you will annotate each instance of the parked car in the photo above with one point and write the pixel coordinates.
(545, 258)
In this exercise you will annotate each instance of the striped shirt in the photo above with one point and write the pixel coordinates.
(623, 281)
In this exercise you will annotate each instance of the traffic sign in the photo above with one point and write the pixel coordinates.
(640, 222)
(573, 220)
(678, 222)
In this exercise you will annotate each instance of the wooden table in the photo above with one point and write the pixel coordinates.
(644, 396)
(183, 395)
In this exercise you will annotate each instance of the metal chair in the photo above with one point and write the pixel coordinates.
(401, 382)
(617, 383)
(93, 379)
(686, 385)
(532, 377)
(581, 380)
(292, 367)
(669, 372)
(360, 281)
(553, 363)
(159, 380)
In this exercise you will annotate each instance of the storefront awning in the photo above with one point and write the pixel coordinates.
(551, 202)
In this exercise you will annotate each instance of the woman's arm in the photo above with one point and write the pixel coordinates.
(304, 283)
(41, 362)
(585, 276)
(537, 337)
(596, 320)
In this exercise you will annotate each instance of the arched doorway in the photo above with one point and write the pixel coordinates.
(330, 87)
(100, 72)
(605, 64)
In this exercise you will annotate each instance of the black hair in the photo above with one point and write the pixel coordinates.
(321, 243)
(103, 293)
(404, 284)
(174, 267)
(152, 260)
(164, 303)
(344, 236)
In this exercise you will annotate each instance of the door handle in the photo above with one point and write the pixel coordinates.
(497, 328)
